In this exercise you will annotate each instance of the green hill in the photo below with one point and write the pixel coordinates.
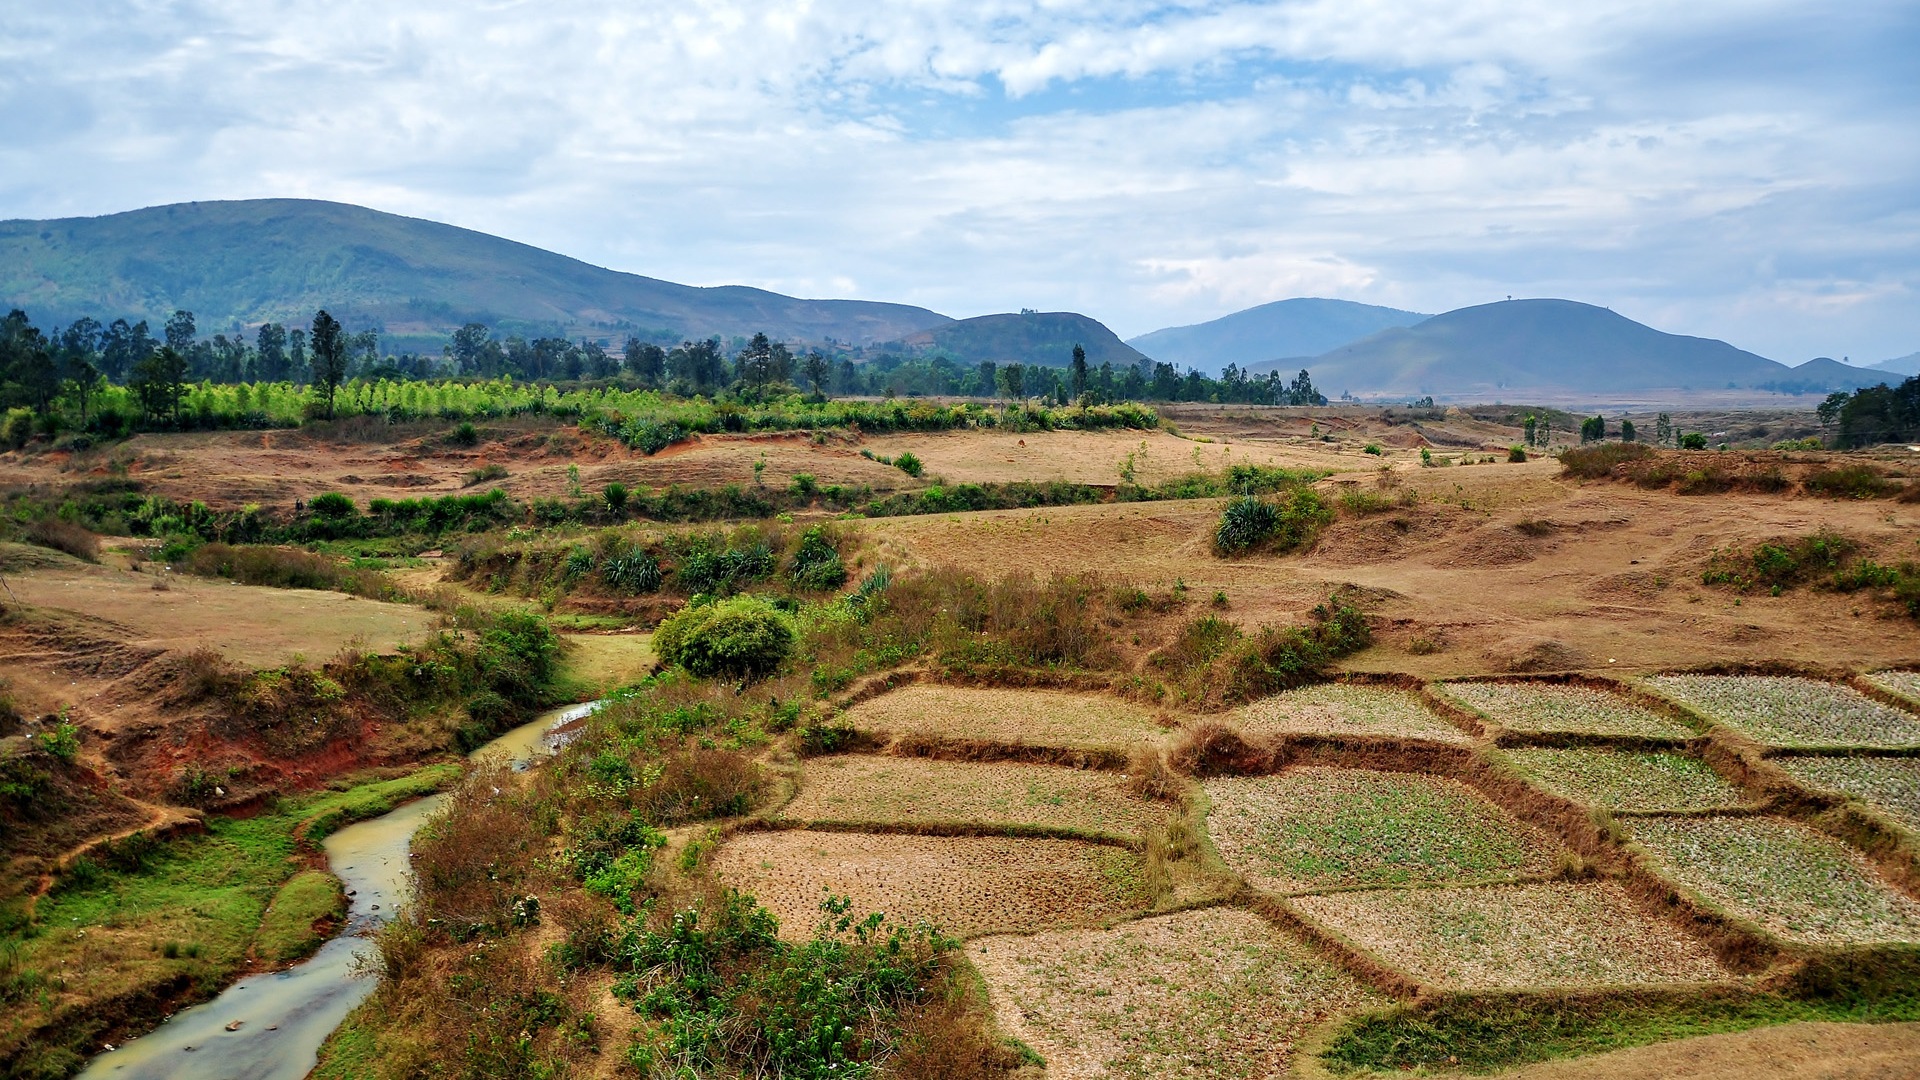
(1304, 326)
(279, 260)
(1045, 338)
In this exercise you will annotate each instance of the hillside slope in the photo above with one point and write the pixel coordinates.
(1304, 326)
(281, 259)
(1513, 347)
(1044, 338)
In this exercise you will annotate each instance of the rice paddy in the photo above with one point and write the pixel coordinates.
(1545, 935)
(1888, 784)
(1790, 711)
(1627, 780)
(1347, 709)
(917, 791)
(1215, 993)
(1316, 828)
(1025, 717)
(1801, 884)
(965, 885)
(1556, 709)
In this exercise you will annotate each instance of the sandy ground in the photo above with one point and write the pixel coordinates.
(1787, 1052)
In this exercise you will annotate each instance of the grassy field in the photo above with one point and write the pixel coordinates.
(1627, 780)
(1316, 828)
(1216, 993)
(302, 908)
(183, 913)
(1789, 711)
(1347, 709)
(1801, 884)
(1889, 784)
(1548, 708)
(963, 885)
(1026, 717)
(916, 791)
(1546, 935)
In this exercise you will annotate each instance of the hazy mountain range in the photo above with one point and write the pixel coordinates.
(236, 264)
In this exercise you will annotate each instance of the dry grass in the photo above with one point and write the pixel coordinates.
(1210, 993)
(1315, 828)
(1784, 710)
(1029, 717)
(1347, 709)
(917, 791)
(1546, 935)
(1552, 708)
(1627, 780)
(964, 885)
(1799, 883)
(1889, 784)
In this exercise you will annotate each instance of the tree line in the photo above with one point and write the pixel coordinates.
(1874, 414)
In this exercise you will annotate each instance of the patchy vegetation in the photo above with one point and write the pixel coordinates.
(1554, 708)
(1790, 711)
(1627, 779)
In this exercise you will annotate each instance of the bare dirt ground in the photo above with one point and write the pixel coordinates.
(1788, 1052)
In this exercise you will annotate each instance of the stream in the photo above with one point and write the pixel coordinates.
(278, 1019)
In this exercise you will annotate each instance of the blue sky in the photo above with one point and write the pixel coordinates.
(1742, 170)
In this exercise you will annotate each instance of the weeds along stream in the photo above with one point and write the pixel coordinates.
(269, 1025)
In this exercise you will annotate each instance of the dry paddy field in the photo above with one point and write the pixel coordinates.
(1215, 993)
(1800, 884)
(1627, 780)
(1347, 709)
(966, 885)
(1905, 684)
(1888, 784)
(1042, 718)
(1315, 828)
(1792, 712)
(1555, 709)
(1550, 935)
(918, 792)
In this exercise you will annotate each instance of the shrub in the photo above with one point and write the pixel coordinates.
(1693, 440)
(615, 495)
(743, 636)
(1289, 522)
(803, 485)
(333, 506)
(65, 536)
(634, 570)
(908, 463)
(493, 470)
(1596, 462)
(1516, 454)
(464, 434)
(16, 427)
(1849, 482)
(62, 742)
(817, 563)
(1374, 449)
(1246, 523)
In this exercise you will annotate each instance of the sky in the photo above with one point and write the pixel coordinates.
(1742, 170)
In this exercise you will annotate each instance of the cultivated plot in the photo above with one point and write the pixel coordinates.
(1546, 935)
(1316, 828)
(1026, 717)
(1626, 779)
(1211, 993)
(1796, 882)
(1558, 709)
(964, 885)
(1890, 784)
(872, 789)
(1347, 709)
(1904, 683)
(1790, 711)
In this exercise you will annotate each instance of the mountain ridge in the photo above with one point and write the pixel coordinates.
(1300, 326)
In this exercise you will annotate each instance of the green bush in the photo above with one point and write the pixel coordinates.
(634, 570)
(1374, 449)
(1285, 524)
(1693, 440)
(1246, 523)
(1516, 454)
(817, 563)
(908, 463)
(1849, 482)
(463, 434)
(333, 506)
(743, 636)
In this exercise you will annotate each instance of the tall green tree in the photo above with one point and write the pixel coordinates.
(816, 369)
(1013, 380)
(270, 353)
(181, 332)
(159, 383)
(329, 345)
(645, 361)
(1079, 384)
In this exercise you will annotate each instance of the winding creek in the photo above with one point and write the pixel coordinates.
(269, 1025)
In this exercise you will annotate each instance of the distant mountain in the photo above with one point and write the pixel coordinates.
(1304, 326)
(1899, 365)
(1516, 347)
(1029, 338)
(279, 260)
(1824, 374)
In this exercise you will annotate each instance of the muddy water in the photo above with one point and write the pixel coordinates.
(279, 1019)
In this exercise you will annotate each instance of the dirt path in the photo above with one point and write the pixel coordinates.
(162, 822)
(1787, 1052)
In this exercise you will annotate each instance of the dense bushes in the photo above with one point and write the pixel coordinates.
(743, 637)
(1285, 523)
(1596, 462)
(1825, 560)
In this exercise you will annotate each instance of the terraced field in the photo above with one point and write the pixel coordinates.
(1216, 993)
(1347, 709)
(1315, 828)
(1889, 784)
(1792, 712)
(966, 885)
(872, 789)
(1026, 717)
(1544, 935)
(1626, 779)
(1801, 884)
(1904, 683)
(1556, 709)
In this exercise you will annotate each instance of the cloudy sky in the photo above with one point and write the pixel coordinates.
(1743, 169)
